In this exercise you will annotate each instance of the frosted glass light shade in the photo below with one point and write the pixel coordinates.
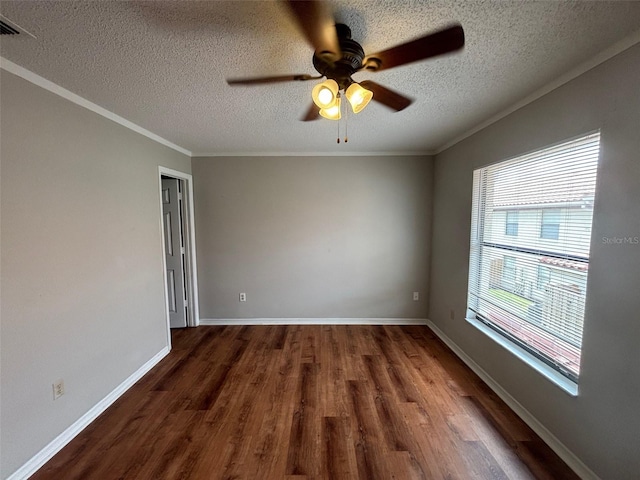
(325, 94)
(332, 113)
(358, 97)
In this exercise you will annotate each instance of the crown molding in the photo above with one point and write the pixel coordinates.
(42, 82)
(600, 58)
(314, 154)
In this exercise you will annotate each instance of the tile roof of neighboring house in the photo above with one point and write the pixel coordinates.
(559, 351)
(533, 196)
(564, 263)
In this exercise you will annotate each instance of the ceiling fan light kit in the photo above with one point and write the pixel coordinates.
(333, 112)
(358, 97)
(325, 94)
(337, 57)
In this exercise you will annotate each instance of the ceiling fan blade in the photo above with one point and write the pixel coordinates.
(316, 21)
(273, 79)
(444, 41)
(387, 97)
(312, 114)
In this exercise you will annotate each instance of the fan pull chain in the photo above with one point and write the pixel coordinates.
(340, 107)
(346, 124)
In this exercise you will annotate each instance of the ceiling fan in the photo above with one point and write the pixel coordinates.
(337, 57)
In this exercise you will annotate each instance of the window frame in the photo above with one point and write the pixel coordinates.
(547, 227)
(539, 276)
(509, 263)
(511, 227)
(564, 378)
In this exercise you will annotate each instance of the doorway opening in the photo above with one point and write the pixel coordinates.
(178, 252)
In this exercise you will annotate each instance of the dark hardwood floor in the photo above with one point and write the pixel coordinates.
(304, 402)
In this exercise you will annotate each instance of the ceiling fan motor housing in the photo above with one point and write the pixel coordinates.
(347, 65)
(337, 56)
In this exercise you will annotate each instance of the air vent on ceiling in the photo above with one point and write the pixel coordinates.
(7, 27)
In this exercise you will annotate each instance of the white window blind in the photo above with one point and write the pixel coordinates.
(530, 283)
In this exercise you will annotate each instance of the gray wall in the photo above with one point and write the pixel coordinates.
(82, 285)
(311, 237)
(601, 426)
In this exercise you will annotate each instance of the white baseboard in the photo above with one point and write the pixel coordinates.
(556, 445)
(313, 321)
(44, 455)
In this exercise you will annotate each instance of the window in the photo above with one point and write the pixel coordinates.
(550, 227)
(508, 272)
(511, 226)
(544, 275)
(531, 292)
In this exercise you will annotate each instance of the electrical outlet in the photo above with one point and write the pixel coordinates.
(58, 389)
(243, 297)
(416, 296)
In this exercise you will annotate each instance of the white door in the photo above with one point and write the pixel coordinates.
(174, 251)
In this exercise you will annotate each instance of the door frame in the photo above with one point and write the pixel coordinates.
(191, 272)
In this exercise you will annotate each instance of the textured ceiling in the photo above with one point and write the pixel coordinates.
(162, 65)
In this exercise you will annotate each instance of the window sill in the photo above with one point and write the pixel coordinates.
(542, 368)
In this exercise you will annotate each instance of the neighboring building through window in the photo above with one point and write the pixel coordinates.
(511, 225)
(529, 252)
